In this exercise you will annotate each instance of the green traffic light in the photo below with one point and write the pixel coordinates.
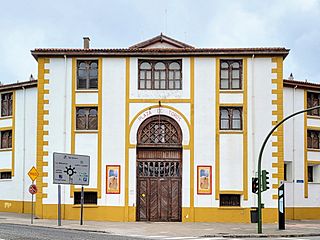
(265, 180)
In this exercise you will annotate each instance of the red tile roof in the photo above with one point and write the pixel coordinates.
(13, 86)
(301, 84)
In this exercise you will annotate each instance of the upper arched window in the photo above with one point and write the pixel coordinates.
(231, 74)
(87, 74)
(87, 118)
(160, 75)
(231, 118)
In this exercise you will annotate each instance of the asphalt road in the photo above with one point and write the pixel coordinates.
(22, 232)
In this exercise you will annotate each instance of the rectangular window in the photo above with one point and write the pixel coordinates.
(285, 178)
(310, 173)
(313, 139)
(230, 118)
(87, 74)
(5, 175)
(6, 139)
(89, 198)
(87, 118)
(231, 74)
(313, 99)
(160, 74)
(229, 200)
(6, 104)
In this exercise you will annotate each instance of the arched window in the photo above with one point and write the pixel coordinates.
(231, 74)
(231, 118)
(87, 74)
(87, 118)
(6, 139)
(160, 74)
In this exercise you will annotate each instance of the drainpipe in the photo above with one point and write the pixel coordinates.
(24, 150)
(253, 120)
(293, 150)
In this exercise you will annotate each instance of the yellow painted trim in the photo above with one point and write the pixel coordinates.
(132, 145)
(86, 131)
(5, 118)
(5, 128)
(313, 150)
(245, 129)
(192, 213)
(5, 149)
(231, 104)
(6, 170)
(99, 131)
(172, 100)
(230, 132)
(217, 127)
(231, 192)
(186, 147)
(88, 105)
(127, 141)
(313, 128)
(313, 162)
(229, 91)
(306, 189)
(157, 106)
(313, 117)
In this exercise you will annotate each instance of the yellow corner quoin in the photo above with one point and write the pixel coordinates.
(40, 130)
(278, 116)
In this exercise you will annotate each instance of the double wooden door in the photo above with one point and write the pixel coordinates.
(159, 174)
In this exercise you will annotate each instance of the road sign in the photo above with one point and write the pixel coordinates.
(33, 173)
(33, 189)
(71, 169)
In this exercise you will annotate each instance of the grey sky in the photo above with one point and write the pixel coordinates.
(25, 25)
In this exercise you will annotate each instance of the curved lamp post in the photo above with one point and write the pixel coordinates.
(260, 159)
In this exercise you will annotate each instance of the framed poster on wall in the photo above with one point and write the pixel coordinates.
(204, 180)
(113, 179)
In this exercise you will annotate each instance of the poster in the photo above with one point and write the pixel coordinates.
(204, 180)
(113, 179)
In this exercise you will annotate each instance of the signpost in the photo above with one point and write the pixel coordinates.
(281, 207)
(73, 170)
(33, 174)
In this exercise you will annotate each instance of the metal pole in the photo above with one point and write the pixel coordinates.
(59, 205)
(32, 209)
(81, 210)
(260, 159)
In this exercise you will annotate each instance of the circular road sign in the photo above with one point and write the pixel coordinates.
(33, 189)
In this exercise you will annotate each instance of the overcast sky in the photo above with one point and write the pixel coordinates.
(25, 25)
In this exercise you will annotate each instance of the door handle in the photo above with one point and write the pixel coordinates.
(143, 195)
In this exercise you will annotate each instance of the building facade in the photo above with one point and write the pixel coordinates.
(173, 132)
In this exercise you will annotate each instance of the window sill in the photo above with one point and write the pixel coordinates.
(87, 91)
(85, 131)
(6, 180)
(5, 149)
(85, 206)
(6, 117)
(231, 91)
(313, 150)
(231, 208)
(313, 182)
(231, 132)
(313, 117)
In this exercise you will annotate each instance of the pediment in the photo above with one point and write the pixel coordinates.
(161, 41)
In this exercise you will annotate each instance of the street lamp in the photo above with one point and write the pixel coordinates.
(260, 159)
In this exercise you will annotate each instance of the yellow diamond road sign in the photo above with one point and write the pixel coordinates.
(33, 173)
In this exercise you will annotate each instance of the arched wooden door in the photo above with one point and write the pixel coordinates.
(159, 170)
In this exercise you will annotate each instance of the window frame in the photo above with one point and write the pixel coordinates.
(87, 118)
(313, 99)
(5, 172)
(230, 78)
(10, 103)
(88, 62)
(153, 70)
(310, 175)
(230, 118)
(9, 139)
(313, 138)
(221, 200)
(77, 198)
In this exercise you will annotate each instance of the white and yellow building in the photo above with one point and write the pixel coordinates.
(173, 133)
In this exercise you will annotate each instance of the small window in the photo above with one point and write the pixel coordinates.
(87, 118)
(310, 174)
(5, 175)
(89, 198)
(229, 200)
(87, 74)
(230, 74)
(231, 118)
(6, 139)
(160, 75)
(285, 172)
(313, 139)
(6, 104)
(313, 100)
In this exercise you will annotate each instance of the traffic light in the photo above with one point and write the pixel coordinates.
(255, 185)
(265, 180)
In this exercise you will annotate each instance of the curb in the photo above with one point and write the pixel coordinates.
(254, 235)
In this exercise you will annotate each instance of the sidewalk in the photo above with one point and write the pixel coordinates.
(157, 230)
